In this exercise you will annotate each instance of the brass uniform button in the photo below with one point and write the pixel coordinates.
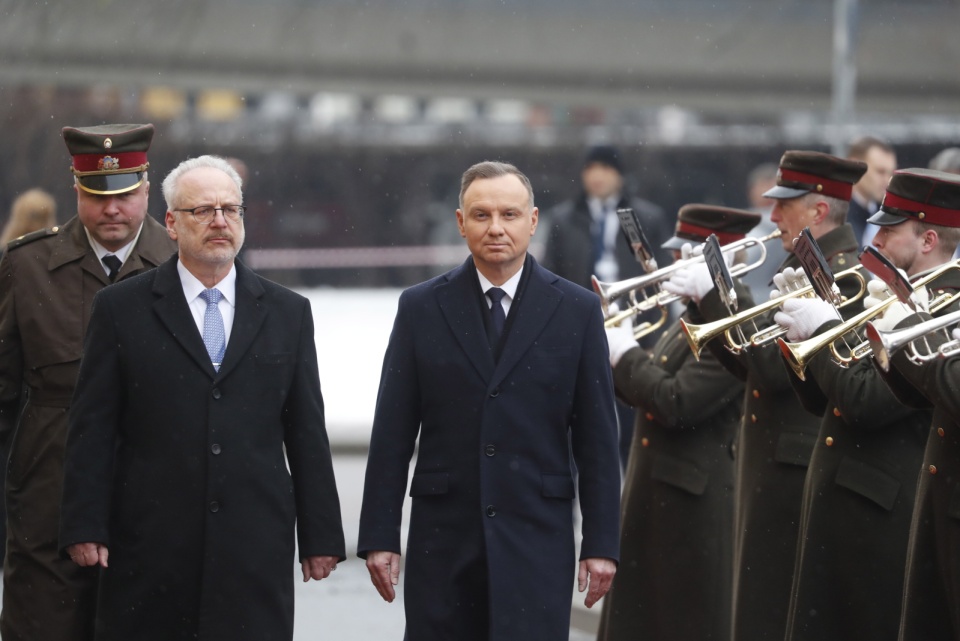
(663, 359)
(921, 215)
(648, 416)
(829, 441)
(54, 229)
(645, 442)
(836, 411)
(756, 393)
(940, 431)
(753, 418)
(933, 469)
(841, 260)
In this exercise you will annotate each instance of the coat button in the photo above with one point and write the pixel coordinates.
(756, 393)
(940, 431)
(933, 469)
(214, 506)
(490, 450)
(216, 393)
(663, 359)
(491, 510)
(215, 448)
(828, 441)
(753, 418)
(648, 416)
(645, 442)
(495, 393)
(836, 411)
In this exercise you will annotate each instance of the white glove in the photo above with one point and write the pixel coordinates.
(956, 333)
(877, 292)
(688, 251)
(787, 281)
(921, 297)
(691, 282)
(620, 341)
(892, 316)
(802, 316)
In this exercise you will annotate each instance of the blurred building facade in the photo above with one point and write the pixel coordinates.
(356, 119)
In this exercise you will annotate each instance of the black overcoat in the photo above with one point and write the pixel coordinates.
(494, 463)
(180, 469)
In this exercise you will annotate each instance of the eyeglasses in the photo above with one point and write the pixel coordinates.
(205, 213)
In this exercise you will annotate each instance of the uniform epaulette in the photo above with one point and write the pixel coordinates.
(32, 236)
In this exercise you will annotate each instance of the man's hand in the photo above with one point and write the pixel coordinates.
(384, 569)
(598, 573)
(318, 567)
(88, 554)
(801, 317)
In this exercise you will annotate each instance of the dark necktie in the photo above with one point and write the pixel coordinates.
(113, 264)
(599, 235)
(497, 315)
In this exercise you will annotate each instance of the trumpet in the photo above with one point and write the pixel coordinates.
(798, 354)
(698, 335)
(886, 343)
(612, 292)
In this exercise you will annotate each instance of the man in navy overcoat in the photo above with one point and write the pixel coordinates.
(499, 388)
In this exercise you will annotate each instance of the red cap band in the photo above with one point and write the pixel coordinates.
(819, 184)
(117, 162)
(924, 211)
(703, 232)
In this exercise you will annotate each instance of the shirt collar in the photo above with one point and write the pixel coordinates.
(192, 285)
(102, 251)
(509, 287)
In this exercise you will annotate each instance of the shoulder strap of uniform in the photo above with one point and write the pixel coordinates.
(32, 236)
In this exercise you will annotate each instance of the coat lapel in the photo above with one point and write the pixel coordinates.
(72, 245)
(459, 303)
(537, 304)
(174, 313)
(247, 319)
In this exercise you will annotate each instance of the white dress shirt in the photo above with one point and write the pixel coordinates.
(192, 288)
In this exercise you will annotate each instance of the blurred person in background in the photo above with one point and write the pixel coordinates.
(676, 532)
(31, 211)
(585, 239)
(947, 161)
(47, 283)
(881, 162)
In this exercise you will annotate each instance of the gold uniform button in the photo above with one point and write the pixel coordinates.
(940, 431)
(753, 418)
(645, 442)
(829, 441)
(836, 411)
(756, 393)
(841, 261)
(921, 215)
(648, 416)
(933, 469)
(54, 229)
(663, 359)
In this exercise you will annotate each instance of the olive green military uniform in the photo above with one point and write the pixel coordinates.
(677, 505)
(47, 284)
(774, 445)
(857, 505)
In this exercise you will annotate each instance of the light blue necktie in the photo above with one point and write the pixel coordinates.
(214, 337)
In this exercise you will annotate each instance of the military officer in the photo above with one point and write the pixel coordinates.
(47, 283)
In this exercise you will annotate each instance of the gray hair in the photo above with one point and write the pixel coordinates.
(947, 160)
(493, 169)
(838, 207)
(171, 191)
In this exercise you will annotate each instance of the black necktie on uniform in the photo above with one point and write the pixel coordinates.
(497, 315)
(113, 264)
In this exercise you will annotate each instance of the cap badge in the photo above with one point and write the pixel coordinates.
(108, 163)
(107, 143)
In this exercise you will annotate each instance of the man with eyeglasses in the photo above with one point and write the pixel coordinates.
(197, 438)
(47, 284)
